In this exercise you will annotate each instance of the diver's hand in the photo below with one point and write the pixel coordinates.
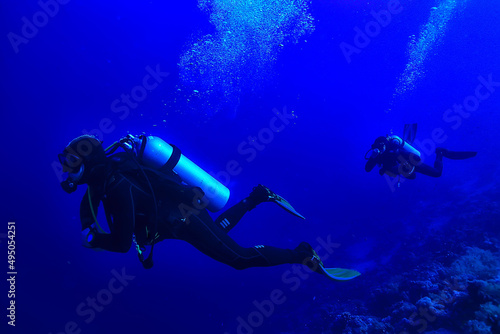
(375, 153)
(88, 235)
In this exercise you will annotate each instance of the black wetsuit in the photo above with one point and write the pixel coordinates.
(395, 161)
(130, 209)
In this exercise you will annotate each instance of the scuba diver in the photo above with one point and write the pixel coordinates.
(396, 157)
(151, 192)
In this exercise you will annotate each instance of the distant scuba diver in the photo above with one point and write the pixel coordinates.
(396, 157)
(152, 192)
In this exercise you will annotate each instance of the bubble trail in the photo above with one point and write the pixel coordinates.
(431, 36)
(240, 53)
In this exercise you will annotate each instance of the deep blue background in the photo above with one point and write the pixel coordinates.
(65, 78)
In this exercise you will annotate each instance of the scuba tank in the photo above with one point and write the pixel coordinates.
(400, 143)
(155, 153)
(403, 144)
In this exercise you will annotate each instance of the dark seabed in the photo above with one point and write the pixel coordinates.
(293, 92)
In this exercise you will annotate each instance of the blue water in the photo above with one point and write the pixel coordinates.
(222, 70)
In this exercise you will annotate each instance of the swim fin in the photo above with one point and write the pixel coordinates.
(455, 155)
(410, 132)
(335, 274)
(285, 205)
(264, 194)
(340, 274)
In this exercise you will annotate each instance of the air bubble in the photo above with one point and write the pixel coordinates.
(419, 50)
(241, 53)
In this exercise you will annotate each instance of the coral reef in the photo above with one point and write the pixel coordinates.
(443, 279)
(476, 264)
(476, 327)
(346, 323)
(463, 297)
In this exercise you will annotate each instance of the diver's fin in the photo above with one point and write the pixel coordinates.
(455, 155)
(335, 274)
(263, 194)
(285, 205)
(410, 132)
(340, 274)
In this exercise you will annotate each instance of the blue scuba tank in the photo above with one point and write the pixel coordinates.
(403, 144)
(155, 153)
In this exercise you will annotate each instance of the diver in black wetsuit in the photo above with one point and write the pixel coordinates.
(146, 206)
(397, 157)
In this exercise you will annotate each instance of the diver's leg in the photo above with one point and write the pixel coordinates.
(438, 164)
(260, 194)
(435, 171)
(203, 233)
(455, 155)
(229, 218)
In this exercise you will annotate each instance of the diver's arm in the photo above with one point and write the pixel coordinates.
(89, 229)
(370, 164)
(372, 161)
(86, 217)
(120, 205)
